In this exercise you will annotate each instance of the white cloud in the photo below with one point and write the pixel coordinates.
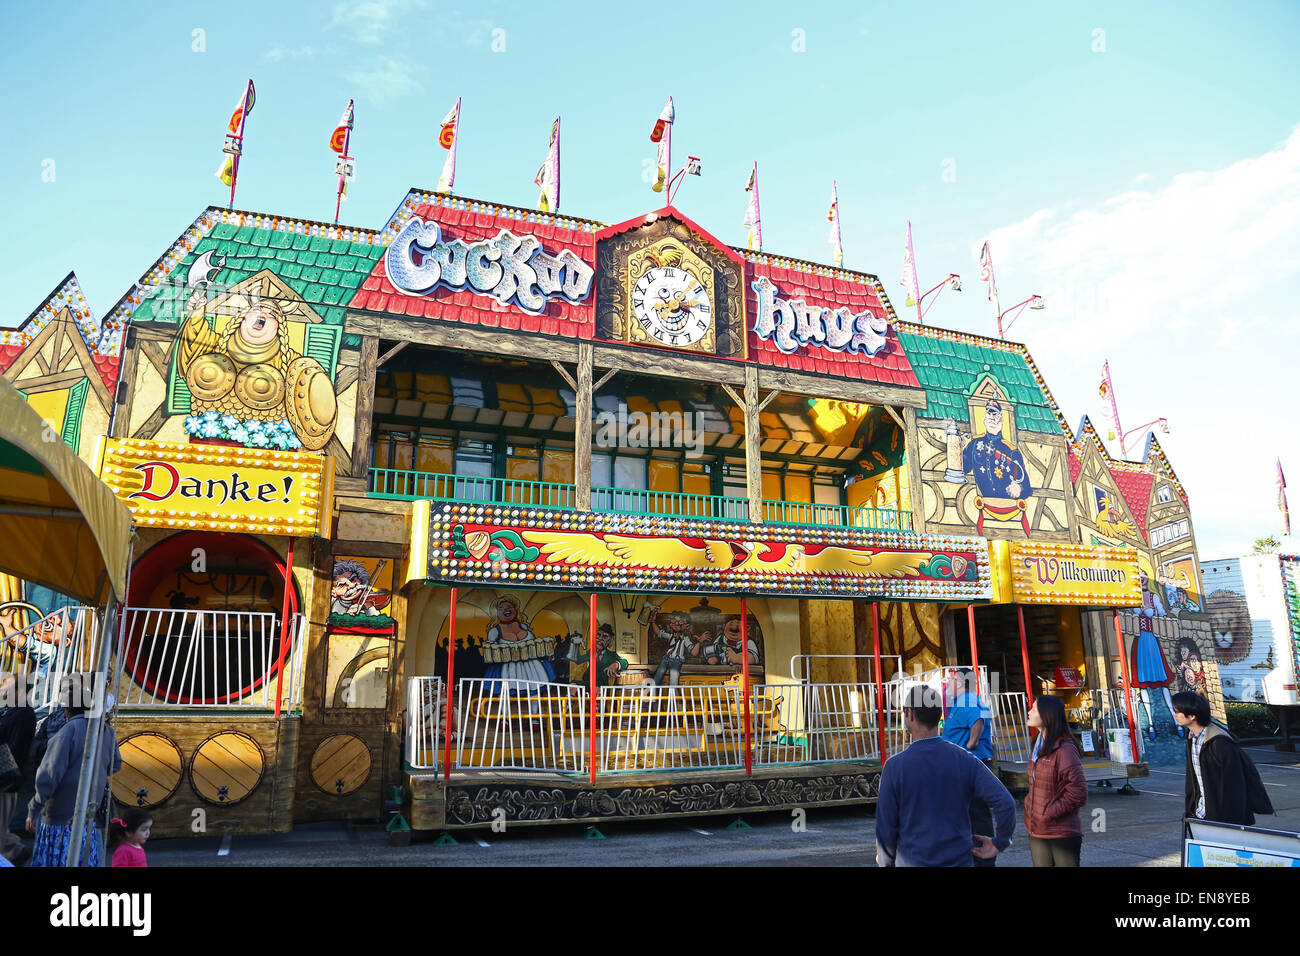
(1190, 290)
(386, 78)
(278, 53)
(371, 21)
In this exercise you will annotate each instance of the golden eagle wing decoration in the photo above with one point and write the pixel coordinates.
(567, 547)
(886, 564)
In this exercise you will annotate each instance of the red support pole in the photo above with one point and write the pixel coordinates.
(744, 677)
(974, 651)
(284, 625)
(880, 681)
(1128, 688)
(1024, 658)
(592, 690)
(451, 684)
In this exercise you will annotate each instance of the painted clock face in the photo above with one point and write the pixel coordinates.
(672, 306)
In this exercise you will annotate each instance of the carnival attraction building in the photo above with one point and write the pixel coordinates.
(541, 519)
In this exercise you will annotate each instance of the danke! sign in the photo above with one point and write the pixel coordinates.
(216, 488)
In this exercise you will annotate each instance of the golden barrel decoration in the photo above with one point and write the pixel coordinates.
(505, 652)
(151, 770)
(340, 764)
(226, 768)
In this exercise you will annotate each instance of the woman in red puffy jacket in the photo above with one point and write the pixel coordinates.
(1057, 789)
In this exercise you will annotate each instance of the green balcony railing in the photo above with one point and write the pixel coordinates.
(640, 502)
(393, 483)
(836, 516)
(406, 485)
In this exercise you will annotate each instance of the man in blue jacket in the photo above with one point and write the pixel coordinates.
(923, 811)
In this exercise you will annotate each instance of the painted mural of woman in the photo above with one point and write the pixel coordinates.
(1191, 669)
(512, 650)
(1149, 667)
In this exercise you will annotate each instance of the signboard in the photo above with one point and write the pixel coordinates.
(512, 269)
(217, 487)
(502, 546)
(1033, 573)
(1224, 844)
(794, 324)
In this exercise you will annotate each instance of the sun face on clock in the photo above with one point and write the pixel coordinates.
(672, 306)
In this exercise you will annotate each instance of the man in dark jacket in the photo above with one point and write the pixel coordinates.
(1216, 783)
(17, 724)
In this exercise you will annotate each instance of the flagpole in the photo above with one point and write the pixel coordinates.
(916, 285)
(1114, 411)
(344, 158)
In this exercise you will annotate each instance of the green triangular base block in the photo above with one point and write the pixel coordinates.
(397, 823)
(446, 840)
(739, 824)
(594, 834)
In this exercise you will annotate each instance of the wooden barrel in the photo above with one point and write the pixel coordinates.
(340, 764)
(151, 770)
(226, 768)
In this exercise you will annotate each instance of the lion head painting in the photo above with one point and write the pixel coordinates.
(1230, 625)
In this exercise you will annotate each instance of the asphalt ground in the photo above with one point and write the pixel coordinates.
(1120, 830)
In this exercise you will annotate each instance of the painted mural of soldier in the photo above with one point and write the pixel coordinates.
(997, 467)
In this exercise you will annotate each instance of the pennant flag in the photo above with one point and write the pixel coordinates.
(339, 138)
(837, 246)
(229, 170)
(1281, 500)
(245, 107)
(662, 134)
(753, 218)
(448, 140)
(908, 279)
(1110, 409)
(548, 177)
(986, 272)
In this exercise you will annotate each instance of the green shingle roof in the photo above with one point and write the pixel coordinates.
(949, 371)
(324, 272)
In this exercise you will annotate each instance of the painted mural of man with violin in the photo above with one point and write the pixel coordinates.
(353, 592)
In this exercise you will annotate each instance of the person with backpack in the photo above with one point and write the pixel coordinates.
(1222, 785)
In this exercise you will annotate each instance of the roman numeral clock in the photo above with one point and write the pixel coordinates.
(671, 295)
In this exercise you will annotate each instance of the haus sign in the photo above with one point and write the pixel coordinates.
(792, 324)
(512, 269)
(1027, 572)
(216, 487)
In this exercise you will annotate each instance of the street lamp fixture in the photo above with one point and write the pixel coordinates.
(952, 282)
(1035, 301)
(1163, 424)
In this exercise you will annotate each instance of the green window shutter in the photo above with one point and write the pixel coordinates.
(321, 342)
(178, 393)
(72, 417)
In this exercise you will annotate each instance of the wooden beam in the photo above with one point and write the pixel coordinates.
(844, 389)
(463, 338)
(603, 379)
(895, 416)
(363, 422)
(913, 446)
(383, 359)
(582, 437)
(647, 361)
(564, 374)
(731, 392)
(770, 395)
(753, 446)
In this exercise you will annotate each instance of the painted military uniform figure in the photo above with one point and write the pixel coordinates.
(998, 467)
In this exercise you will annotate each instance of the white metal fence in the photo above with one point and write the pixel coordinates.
(426, 721)
(1010, 728)
(520, 725)
(818, 723)
(180, 658)
(651, 727)
(801, 665)
(49, 648)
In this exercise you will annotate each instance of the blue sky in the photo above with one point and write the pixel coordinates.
(1145, 179)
